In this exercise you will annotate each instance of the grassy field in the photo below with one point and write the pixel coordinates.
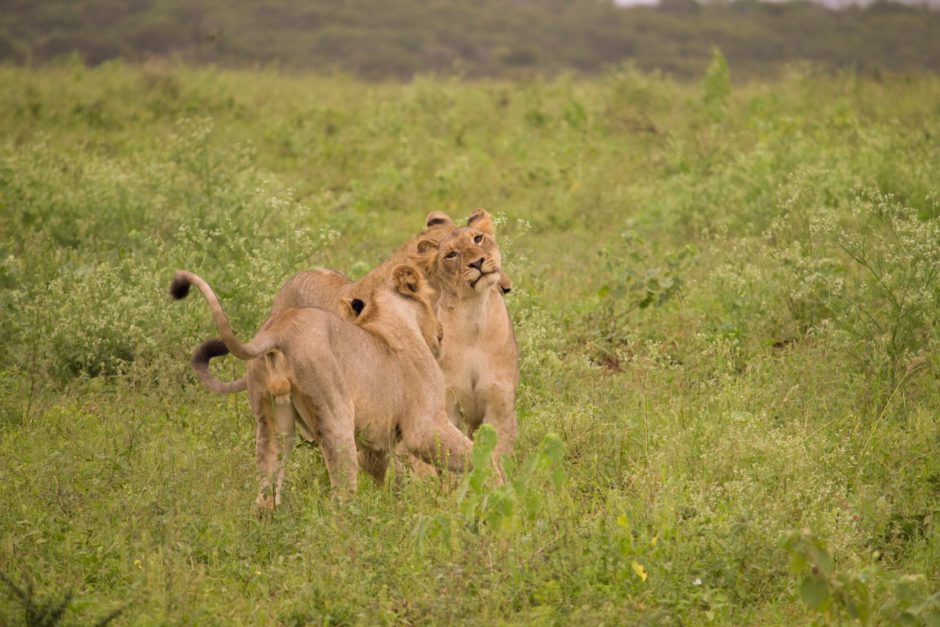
(726, 299)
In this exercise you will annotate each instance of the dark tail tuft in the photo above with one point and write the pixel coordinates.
(179, 288)
(207, 350)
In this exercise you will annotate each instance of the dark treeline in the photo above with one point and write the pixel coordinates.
(398, 38)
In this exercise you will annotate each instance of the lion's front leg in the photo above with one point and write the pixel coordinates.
(437, 441)
(499, 411)
(339, 453)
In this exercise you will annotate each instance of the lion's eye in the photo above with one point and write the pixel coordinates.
(477, 239)
(451, 254)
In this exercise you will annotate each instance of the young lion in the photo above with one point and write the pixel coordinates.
(374, 382)
(478, 355)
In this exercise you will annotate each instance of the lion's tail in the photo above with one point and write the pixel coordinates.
(206, 351)
(261, 344)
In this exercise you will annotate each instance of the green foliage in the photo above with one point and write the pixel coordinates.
(42, 613)
(520, 500)
(870, 277)
(633, 283)
(727, 331)
(868, 595)
(716, 94)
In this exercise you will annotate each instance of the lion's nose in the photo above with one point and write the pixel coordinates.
(478, 264)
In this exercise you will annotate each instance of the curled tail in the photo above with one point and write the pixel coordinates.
(206, 351)
(179, 289)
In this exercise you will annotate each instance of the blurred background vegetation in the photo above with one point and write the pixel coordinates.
(399, 38)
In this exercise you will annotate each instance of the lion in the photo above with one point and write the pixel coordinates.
(368, 377)
(478, 354)
(326, 288)
(478, 338)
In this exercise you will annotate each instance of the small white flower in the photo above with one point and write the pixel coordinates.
(696, 582)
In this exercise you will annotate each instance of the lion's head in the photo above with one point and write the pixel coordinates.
(462, 260)
(384, 303)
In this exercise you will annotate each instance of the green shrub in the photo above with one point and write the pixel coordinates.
(868, 595)
(869, 277)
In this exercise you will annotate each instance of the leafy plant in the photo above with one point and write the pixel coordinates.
(39, 612)
(868, 595)
(872, 276)
(521, 498)
(635, 280)
(716, 87)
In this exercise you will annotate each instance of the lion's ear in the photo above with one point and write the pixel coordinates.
(408, 280)
(426, 246)
(425, 253)
(438, 218)
(482, 220)
(353, 308)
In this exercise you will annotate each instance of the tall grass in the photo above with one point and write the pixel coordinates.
(726, 300)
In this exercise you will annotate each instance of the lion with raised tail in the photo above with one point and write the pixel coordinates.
(367, 376)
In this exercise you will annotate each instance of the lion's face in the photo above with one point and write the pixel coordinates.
(468, 260)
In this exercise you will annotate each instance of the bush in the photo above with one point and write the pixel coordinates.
(870, 278)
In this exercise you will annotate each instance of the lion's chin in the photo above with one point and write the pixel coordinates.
(485, 279)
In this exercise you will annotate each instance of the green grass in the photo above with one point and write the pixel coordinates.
(726, 300)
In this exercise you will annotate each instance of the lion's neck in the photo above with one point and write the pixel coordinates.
(476, 315)
(404, 339)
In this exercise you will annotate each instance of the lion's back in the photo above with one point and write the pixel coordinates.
(312, 288)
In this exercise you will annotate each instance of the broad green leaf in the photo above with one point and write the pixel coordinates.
(815, 592)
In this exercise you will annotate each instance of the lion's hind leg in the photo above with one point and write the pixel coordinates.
(278, 381)
(265, 449)
(286, 439)
(336, 429)
(279, 398)
(269, 393)
(275, 439)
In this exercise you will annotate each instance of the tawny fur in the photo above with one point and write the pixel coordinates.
(328, 289)
(370, 383)
(479, 355)
(479, 361)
